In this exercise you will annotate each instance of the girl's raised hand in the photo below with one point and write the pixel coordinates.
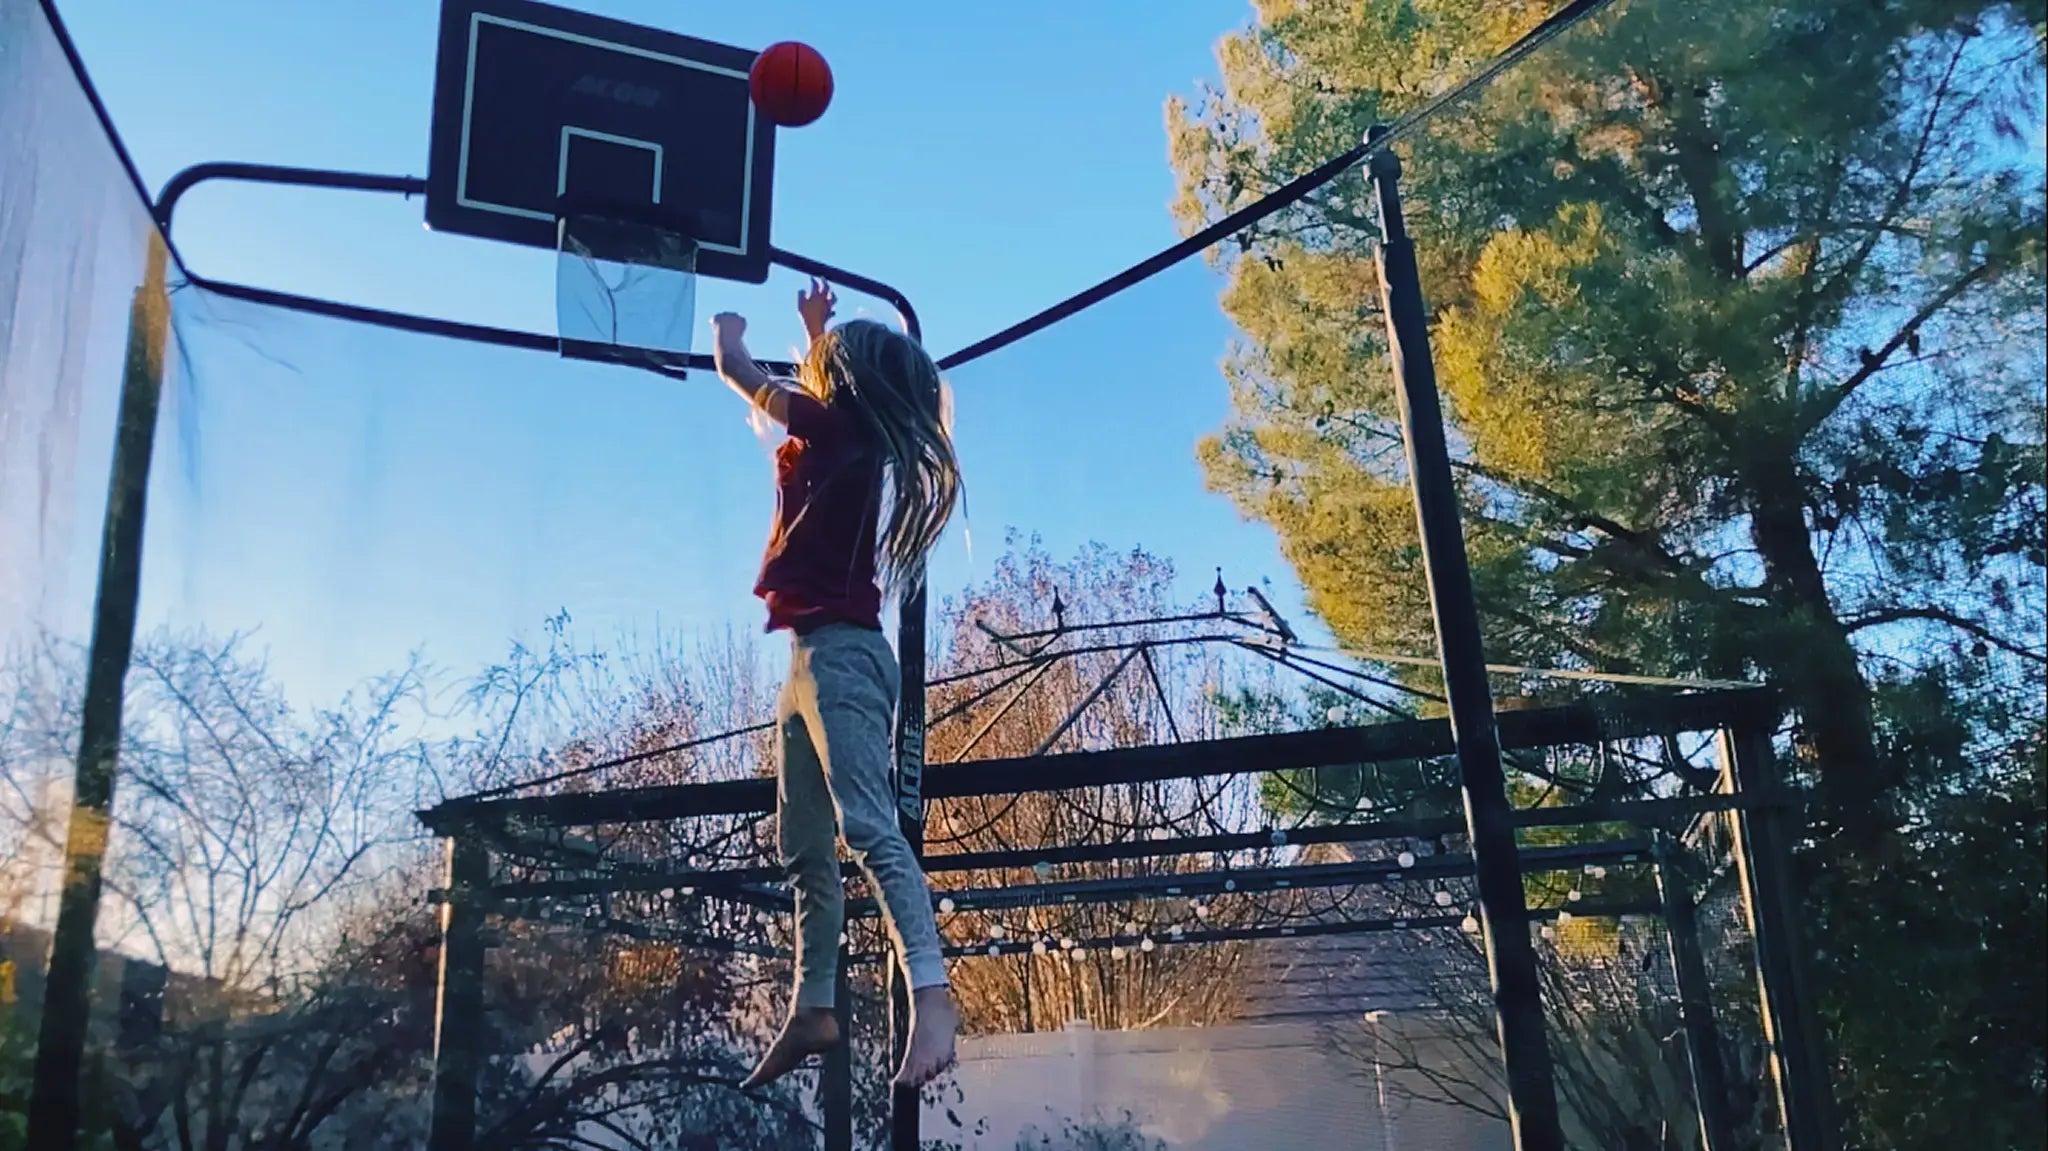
(815, 305)
(728, 330)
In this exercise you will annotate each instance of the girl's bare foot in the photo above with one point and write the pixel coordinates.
(933, 1023)
(810, 1031)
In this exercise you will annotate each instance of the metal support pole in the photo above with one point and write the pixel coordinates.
(1695, 997)
(1087, 701)
(1763, 861)
(459, 997)
(904, 1104)
(54, 1104)
(989, 725)
(1489, 819)
(835, 1079)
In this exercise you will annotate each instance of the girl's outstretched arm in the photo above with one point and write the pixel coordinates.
(737, 368)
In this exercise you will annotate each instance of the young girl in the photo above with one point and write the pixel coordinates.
(864, 431)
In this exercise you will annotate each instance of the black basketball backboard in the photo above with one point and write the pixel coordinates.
(542, 113)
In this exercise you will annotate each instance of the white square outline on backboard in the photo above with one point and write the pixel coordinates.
(462, 197)
(572, 132)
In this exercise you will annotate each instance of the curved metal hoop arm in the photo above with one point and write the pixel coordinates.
(177, 186)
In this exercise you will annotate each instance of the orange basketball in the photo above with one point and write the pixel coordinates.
(791, 84)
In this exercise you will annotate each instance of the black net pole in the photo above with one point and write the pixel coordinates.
(1695, 996)
(54, 1103)
(1770, 903)
(835, 1080)
(459, 997)
(904, 1103)
(1504, 911)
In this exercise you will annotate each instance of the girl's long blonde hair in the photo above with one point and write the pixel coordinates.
(887, 379)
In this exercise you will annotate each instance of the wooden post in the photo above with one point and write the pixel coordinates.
(54, 1101)
(459, 997)
(1695, 997)
(1763, 860)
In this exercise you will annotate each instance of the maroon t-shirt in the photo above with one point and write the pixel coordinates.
(820, 566)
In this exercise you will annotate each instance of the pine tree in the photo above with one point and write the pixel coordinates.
(1738, 314)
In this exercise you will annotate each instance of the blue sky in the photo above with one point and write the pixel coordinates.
(354, 493)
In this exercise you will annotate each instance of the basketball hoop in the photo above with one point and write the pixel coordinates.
(638, 155)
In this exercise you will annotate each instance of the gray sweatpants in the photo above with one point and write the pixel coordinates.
(834, 716)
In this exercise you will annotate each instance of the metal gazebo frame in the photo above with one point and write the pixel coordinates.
(1764, 814)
